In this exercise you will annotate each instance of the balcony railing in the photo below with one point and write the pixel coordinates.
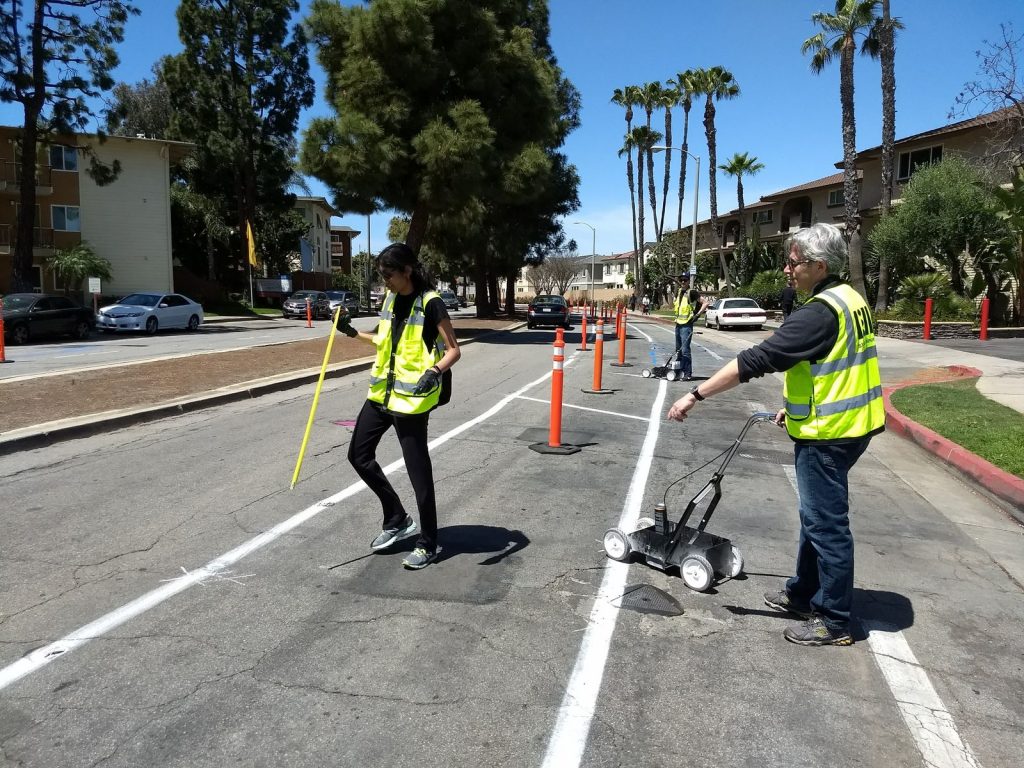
(42, 237)
(10, 175)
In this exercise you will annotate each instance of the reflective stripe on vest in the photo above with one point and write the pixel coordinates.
(684, 310)
(839, 396)
(393, 377)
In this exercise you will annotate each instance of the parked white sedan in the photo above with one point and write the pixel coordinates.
(149, 312)
(735, 313)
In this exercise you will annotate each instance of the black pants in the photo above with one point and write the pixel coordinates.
(371, 425)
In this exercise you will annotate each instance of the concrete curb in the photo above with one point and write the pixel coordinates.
(43, 435)
(1002, 484)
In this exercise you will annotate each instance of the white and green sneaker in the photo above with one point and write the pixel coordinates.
(419, 558)
(390, 536)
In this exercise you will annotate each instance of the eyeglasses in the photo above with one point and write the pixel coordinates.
(385, 274)
(794, 264)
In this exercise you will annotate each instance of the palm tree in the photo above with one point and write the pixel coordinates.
(886, 34)
(852, 19)
(714, 83)
(738, 165)
(642, 138)
(684, 86)
(650, 96)
(627, 97)
(72, 265)
(669, 98)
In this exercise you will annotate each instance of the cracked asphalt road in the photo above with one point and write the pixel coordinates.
(311, 651)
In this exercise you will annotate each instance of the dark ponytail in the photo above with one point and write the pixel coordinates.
(396, 257)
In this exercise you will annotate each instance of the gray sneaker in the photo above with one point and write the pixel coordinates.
(390, 536)
(780, 601)
(419, 558)
(816, 632)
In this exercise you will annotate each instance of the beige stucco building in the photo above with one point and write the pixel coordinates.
(127, 222)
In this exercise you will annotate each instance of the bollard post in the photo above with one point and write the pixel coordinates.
(554, 444)
(309, 312)
(983, 334)
(583, 329)
(927, 319)
(3, 356)
(598, 361)
(622, 340)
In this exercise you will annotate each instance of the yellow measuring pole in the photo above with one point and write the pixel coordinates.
(316, 398)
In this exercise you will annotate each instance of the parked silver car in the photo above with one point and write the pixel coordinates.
(295, 305)
(345, 299)
(150, 312)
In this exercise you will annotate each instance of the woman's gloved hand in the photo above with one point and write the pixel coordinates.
(345, 326)
(428, 381)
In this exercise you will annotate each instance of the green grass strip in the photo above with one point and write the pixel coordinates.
(958, 412)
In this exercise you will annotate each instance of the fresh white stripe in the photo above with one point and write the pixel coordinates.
(40, 657)
(569, 737)
(637, 329)
(713, 354)
(583, 408)
(929, 722)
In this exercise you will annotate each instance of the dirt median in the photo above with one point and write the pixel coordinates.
(52, 398)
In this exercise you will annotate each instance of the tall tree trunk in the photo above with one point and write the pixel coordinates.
(652, 192)
(739, 201)
(417, 228)
(492, 290)
(668, 168)
(510, 292)
(632, 193)
(887, 54)
(639, 255)
(709, 131)
(480, 280)
(682, 164)
(22, 263)
(850, 195)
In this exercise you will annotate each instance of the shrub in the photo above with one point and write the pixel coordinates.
(946, 305)
(765, 288)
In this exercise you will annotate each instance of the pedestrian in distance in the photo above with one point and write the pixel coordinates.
(788, 298)
(632, 302)
(646, 304)
(416, 347)
(688, 307)
(832, 407)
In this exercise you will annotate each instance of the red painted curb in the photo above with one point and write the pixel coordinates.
(1004, 485)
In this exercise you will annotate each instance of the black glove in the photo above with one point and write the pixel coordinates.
(345, 326)
(428, 381)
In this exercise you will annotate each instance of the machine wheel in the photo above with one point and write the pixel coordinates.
(529, 326)
(737, 563)
(616, 545)
(696, 572)
(82, 330)
(671, 374)
(646, 373)
(193, 322)
(152, 325)
(19, 334)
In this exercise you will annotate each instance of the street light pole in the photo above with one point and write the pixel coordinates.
(593, 256)
(693, 226)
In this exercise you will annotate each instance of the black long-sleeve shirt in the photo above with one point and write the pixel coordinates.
(808, 334)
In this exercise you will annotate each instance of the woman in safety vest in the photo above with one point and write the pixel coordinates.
(832, 407)
(416, 345)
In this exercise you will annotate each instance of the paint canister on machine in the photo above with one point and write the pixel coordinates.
(661, 519)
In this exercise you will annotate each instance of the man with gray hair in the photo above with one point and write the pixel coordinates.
(832, 407)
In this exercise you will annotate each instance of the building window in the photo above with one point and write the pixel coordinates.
(835, 198)
(65, 218)
(63, 158)
(911, 161)
(763, 217)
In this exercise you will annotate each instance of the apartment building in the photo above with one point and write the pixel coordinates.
(341, 247)
(314, 252)
(127, 222)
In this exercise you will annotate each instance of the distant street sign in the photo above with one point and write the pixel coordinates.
(94, 285)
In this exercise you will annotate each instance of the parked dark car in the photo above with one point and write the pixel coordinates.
(295, 305)
(345, 299)
(547, 310)
(451, 301)
(35, 315)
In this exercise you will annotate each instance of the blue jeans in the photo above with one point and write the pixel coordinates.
(683, 335)
(824, 561)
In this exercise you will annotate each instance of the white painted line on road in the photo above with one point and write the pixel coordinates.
(583, 408)
(713, 354)
(926, 717)
(569, 737)
(218, 568)
(631, 325)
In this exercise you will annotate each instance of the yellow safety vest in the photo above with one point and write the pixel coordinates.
(684, 310)
(398, 368)
(840, 395)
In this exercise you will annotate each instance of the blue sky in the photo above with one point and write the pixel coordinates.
(785, 115)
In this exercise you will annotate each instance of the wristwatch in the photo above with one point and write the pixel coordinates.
(696, 394)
